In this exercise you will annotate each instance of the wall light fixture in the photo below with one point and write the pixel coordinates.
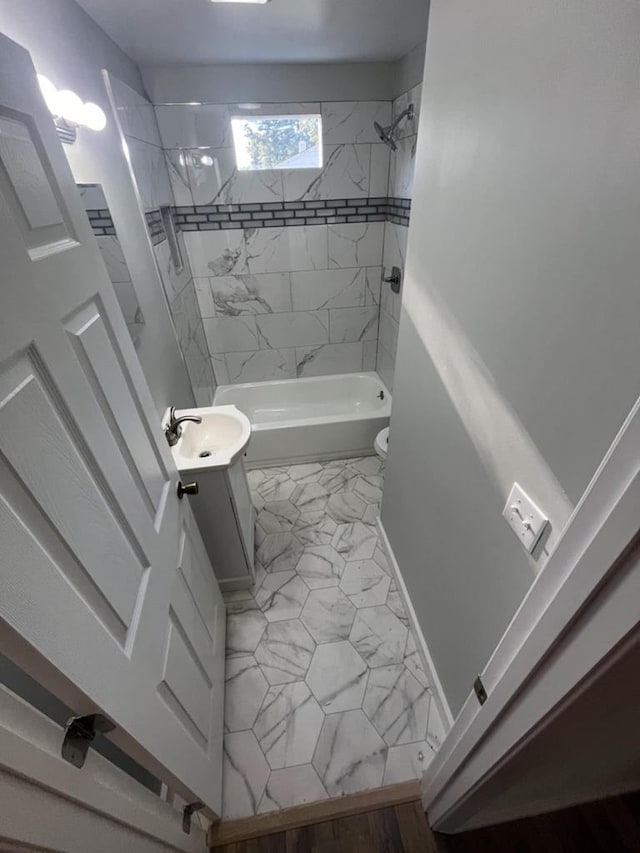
(69, 112)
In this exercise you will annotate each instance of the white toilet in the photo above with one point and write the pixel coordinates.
(382, 443)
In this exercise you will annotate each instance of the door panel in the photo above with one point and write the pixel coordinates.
(107, 593)
(38, 445)
(94, 347)
(192, 678)
(28, 189)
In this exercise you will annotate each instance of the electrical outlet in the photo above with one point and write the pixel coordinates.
(526, 519)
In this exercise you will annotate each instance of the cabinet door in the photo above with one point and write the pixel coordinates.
(243, 507)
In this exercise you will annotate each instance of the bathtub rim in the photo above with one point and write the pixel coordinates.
(383, 412)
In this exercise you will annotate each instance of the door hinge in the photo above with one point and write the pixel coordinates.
(480, 692)
(78, 734)
(186, 815)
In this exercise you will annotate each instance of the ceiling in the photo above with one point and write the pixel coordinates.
(180, 32)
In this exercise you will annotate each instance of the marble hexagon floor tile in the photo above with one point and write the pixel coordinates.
(397, 705)
(315, 528)
(275, 485)
(245, 775)
(245, 688)
(245, 626)
(395, 605)
(337, 677)
(279, 552)
(320, 566)
(305, 473)
(379, 636)
(285, 652)
(292, 786)
(288, 724)
(337, 478)
(310, 497)
(278, 516)
(350, 755)
(345, 507)
(355, 541)
(367, 466)
(328, 615)
(282, 596)
(365, 584)
(407, 762)
(326, 692)
(369, 489)
(412, 659)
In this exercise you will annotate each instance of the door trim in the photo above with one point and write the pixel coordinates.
(30, 751)
(587, 556)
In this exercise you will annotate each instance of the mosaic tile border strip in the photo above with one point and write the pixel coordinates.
(224, 217)
(101, 223)
(155, 226)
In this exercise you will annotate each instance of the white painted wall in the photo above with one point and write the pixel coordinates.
(70, 49)
(518, 349)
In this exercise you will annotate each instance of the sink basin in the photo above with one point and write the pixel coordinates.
(214, 444)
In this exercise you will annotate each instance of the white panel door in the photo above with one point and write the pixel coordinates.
(107, 595)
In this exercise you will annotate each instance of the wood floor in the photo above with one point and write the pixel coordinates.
(397, 829)
(610, 826)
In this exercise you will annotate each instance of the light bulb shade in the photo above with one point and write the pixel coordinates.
(93, 117)
(70, 106)
(49, 93)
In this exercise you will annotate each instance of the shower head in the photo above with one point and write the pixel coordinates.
(386, 133)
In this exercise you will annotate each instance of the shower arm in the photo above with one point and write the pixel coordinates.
(408, 113)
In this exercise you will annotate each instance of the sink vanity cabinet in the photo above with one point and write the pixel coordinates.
(226, 519)
(210, 454)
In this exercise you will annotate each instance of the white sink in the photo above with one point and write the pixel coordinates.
(214, 444)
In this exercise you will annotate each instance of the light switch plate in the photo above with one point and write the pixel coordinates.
(524, 517)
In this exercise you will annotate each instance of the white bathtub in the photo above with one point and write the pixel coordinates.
(308, 420)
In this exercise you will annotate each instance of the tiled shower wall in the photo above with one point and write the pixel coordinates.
(108, 242)
(395, 232)
(138, 121)
(286, 264)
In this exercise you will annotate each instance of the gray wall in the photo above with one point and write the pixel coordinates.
(335, 81)
(409, 70)
(518, 353)
(229, 84)
(69, 48)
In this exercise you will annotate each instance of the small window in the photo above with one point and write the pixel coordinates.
(278, 142)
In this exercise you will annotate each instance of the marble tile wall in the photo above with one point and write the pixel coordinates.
(104, 231)
(395, 234)
(282, 302)
(140, 128)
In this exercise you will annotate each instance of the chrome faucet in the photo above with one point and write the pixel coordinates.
(173, 429)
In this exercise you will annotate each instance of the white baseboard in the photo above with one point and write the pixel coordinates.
(235, 584)
(423, 650)
(286, 461)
